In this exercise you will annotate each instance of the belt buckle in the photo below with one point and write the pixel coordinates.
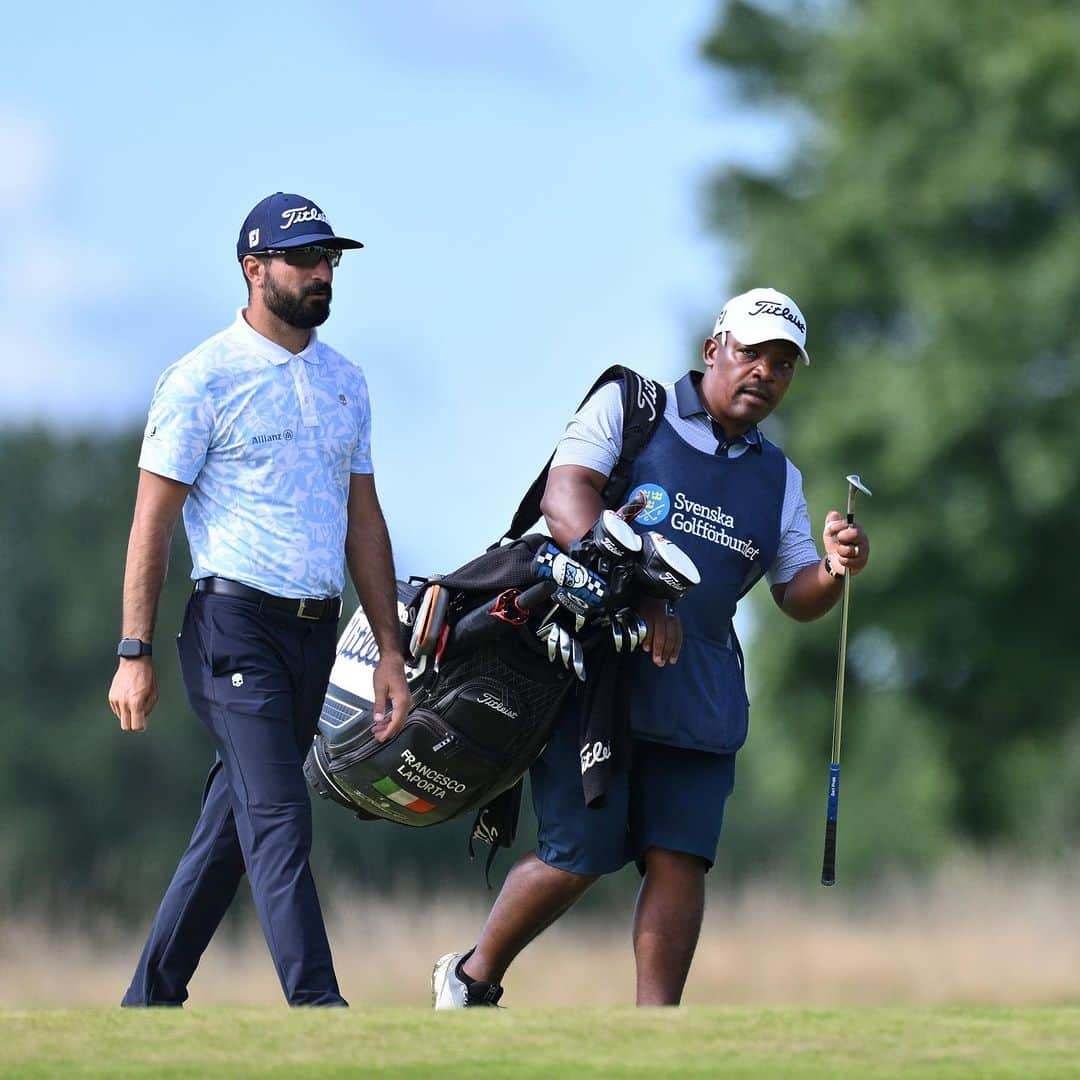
(301, 611)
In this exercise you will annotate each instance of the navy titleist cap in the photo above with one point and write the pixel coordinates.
(284, 221)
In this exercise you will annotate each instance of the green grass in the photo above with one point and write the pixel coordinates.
(564, 1043)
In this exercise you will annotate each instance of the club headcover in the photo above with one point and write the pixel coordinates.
(664, 569)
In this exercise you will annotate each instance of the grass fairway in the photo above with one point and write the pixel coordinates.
(714, 1042)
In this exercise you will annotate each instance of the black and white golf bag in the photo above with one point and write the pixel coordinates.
(484, 701)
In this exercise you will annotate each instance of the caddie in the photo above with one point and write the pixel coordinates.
(734, 503)
(261, 436)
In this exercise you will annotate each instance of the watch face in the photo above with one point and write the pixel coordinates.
(132, 648)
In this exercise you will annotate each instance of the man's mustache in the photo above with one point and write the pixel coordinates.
(324, 291)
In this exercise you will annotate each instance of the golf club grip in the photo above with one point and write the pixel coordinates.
(479, 624)
(828, 862)
(535, 595)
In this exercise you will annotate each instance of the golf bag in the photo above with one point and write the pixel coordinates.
(481, 710)
(482, 647)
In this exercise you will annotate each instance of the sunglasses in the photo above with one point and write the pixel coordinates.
(306, 257)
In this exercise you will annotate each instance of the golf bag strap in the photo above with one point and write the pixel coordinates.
(496, 824)
(643, 409)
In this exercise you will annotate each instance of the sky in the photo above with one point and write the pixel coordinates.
(527, 178)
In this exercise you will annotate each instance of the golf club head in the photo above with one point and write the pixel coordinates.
(553, 643)
(664, 569)
(578, 659)
(568, 572)
(642, 630)
(613, 535)
(854, 484)
(855, 481)
(633, 632)
(579, 622)
(617, 634)
(565, 648)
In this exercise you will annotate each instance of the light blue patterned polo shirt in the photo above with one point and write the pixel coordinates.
(267, 441)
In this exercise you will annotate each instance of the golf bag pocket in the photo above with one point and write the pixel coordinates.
(424, 776)
(484, 712)
(699, 703)
(441, 763)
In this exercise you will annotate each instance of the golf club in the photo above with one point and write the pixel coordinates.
(565, 647)
(577, 658)
(828, 864)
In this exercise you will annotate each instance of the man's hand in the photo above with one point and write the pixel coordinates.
(390, 689)
(664, 636)
(133, 693)
(158, 503)
(847, 546)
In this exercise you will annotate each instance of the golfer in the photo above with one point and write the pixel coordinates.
(733, 502)
(261, 436)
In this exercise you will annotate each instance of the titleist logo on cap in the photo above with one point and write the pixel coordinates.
(297, 214)
(770, 307)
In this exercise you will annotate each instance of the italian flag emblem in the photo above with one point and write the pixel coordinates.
(387, 787)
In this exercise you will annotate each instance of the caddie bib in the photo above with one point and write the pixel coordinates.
(725, 514)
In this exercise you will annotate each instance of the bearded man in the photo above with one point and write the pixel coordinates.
(261, 436)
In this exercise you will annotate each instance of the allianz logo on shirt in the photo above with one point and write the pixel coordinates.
(298, 214)
(277, 436)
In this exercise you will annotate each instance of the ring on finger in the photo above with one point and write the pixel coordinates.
(856, 551)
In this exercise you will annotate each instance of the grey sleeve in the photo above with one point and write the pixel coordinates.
(797, 548)
(593, 438)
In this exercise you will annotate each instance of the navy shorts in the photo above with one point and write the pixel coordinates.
(671, 798)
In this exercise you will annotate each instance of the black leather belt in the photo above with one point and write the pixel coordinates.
(320, 609)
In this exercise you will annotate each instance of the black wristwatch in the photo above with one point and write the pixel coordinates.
(131, 648)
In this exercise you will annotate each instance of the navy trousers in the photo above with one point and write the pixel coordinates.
(256, 677)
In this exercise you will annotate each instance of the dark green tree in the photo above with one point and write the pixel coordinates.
(926, 216)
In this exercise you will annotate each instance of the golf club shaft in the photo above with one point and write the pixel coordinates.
(479, 624)
(841, 666)
(828, 862)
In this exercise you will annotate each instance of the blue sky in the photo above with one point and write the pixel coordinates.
(527, 179)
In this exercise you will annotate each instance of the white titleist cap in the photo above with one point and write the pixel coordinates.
(763, 315)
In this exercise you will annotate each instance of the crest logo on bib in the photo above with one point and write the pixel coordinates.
(657, 504)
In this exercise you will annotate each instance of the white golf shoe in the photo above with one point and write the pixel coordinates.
(451, 989)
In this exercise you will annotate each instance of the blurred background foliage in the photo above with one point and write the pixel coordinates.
(926, 220)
